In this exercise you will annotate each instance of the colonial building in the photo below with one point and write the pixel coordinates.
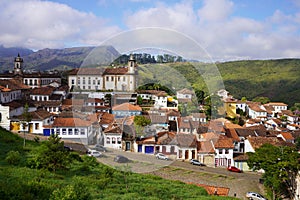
(32, 79)
(116, 79)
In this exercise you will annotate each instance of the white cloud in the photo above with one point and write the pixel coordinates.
(223, 34)
(44, 24)
(215, 10)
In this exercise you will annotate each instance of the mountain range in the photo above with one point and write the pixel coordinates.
(51, 59)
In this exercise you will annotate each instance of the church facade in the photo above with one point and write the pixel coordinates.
(123, 79)
(31, 79)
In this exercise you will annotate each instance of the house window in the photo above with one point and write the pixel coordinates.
(226, 151)
(113, 141)
(64, 131)
(78, 82)
(119, 140)
(70, 131)
(58, 131)
(45, 98)
(112, 78)
(119, 78)
(37, 126)
(108, 140)
(124, 78)
(76, 131)
(107, 78)
(82, 131)
(73, 81)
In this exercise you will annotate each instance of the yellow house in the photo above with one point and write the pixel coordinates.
(230, 107)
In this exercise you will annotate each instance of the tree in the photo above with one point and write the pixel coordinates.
(262, 100)
(243, 99)
(139, 123)
(139, 100)
(51, 155)
(281, 165)
(200, 96)
(26, 119)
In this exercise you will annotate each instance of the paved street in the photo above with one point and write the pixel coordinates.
(239, 183)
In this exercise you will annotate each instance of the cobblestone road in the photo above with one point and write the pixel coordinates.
(239, 183)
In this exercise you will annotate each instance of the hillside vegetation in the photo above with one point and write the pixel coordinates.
(277, 79)
(83, 178)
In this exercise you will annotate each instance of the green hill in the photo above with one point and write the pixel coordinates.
(277, 79)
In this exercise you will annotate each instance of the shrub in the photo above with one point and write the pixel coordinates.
(13, 157)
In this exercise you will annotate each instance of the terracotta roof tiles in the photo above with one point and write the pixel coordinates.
(127, 106)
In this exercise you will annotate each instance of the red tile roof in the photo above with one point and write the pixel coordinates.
(257, 142)
(205, 147)
(86, 71)
(70, 122)
(287, 135)
(126, 107)
(224, 143)
(42, 91)
(115, 71)
(12, 84)
(113, 128)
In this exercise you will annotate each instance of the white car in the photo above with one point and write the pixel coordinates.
(94, 153)
(161, 156)
(255, 196)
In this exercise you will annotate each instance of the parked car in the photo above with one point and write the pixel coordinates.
(196, 162)
(94, 153)
(121, 159)
(234, 169)
(68, 148)
(255, 196)
(100, 148)
(161, 156)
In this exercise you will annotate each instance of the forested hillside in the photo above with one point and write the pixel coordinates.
(277, 79)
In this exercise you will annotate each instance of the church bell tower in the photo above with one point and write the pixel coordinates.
(18, 65)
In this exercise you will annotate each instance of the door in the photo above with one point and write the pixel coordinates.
(127, 146)
(140, 148)
(149, 149)
(46, 132)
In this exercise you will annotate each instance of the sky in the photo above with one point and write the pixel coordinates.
(222, 29)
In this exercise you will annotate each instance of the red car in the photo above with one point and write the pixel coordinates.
(234, 169)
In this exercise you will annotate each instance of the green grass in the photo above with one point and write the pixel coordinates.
(81, 180)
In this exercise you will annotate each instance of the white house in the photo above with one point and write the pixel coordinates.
(278, 106)
(223, 151)
(185, 94)
(75, 129)
(113, 136)
(39, 119)
(256, 111)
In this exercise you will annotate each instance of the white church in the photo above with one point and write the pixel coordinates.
(121, 79)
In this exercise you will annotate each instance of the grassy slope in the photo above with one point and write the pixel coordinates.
(100, 182)
(277, 79)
